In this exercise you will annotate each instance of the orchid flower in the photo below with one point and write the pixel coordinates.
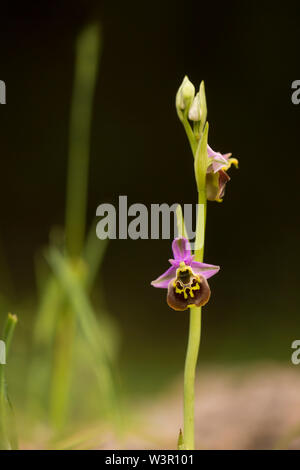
(217, 177)
(186, 279)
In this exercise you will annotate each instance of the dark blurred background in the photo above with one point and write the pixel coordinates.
(247, 53)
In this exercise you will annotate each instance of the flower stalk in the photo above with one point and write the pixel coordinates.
(186, 279)
(194, 337)
(198, 142)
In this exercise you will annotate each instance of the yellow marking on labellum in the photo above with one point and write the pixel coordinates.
(184, 280)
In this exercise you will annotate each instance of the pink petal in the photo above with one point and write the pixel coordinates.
(174, 262)
(218, 163)
(163, 281)
(218, 160)
(206, 270)
(181, 248)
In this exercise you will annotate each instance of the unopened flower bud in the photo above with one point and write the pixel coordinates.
(195, 110)
(185, 96)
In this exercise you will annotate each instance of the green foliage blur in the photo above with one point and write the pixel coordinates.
(86, 310)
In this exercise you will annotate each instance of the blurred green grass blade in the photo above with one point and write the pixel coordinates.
(63, 368)
(86, 64)
(41, 270)
(8, 439)
(94, 252)
(9, 329)
(51, 303)
(12, 426)
(49, 366)
(88, 51)
(96, 340)
(78, 299)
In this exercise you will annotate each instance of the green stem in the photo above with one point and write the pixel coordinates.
(189, 132)
(4, 440)
(193, 346)
(189, 377)
(5, 432)
(61, 377)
